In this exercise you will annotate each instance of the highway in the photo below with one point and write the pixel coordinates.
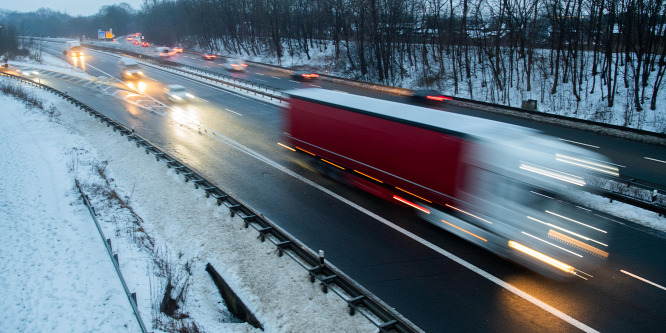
(436, 280)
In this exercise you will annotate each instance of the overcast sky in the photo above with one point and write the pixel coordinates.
(71, 7)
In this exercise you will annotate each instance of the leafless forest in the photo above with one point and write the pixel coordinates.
(615, 44)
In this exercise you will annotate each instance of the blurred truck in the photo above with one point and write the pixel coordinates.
(500, 186)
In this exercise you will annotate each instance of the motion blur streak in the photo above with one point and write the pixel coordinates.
(414, 195)
(554, 174)
(577, 243)
(303, 150)
(572, 220)
(464, 212)
(373, 178)
(285, 146)
(567, 231)
(538, 255)
(333, 164)
(411, 204)
(463, 230)
(551, 244)
(603, 168)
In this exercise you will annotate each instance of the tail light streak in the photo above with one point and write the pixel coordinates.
(409, 203)
(439, 98)
(426, 200)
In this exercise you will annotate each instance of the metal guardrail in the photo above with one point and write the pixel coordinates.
(358, 299)
(631, 191)
(114, 258)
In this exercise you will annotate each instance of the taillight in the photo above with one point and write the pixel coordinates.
(439, 98)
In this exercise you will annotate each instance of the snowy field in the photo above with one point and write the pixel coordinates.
(55, 269)
(54, 266)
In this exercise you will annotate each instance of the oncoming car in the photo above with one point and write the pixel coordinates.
(209, 56)
(235, 65)
(177, 93)
(178, 49)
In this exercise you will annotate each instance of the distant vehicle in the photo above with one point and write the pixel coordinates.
(75, 49)
(164, 51)
(28, 72)
(209, 56)
(129, 69)
(177, 93)
(304, 76)
(178, 49)
(428, 96)
(145, 44)
(235, 65)
(500, 186)
(136, 42)
(129, 38)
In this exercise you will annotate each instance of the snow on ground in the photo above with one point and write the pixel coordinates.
(54, 265)
(56, 273)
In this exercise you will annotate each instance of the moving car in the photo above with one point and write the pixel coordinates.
(178, 49)
(145, 44)
(304, 76)
(209, 56)
(235, 65)
(177, 93)
(28, 72)
(129, 69)
(428, 96)
(136, 42)
(164, 52)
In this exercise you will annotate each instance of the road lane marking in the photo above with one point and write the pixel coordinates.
(642, 279)
(233, 112)
(654, 159)
(580, 143)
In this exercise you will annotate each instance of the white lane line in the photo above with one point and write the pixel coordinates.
(232, 143)
(654, 159)
(233, 112)
(642, 279)
(580, 143)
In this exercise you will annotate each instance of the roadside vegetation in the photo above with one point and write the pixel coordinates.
(605, 55)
